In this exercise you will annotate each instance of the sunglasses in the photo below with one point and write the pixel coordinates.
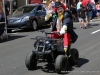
(59, 9)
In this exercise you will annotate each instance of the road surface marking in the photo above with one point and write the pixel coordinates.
(14, 33)
(95, 31)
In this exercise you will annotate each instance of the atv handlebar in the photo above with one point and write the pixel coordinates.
(46, 38)
(46, 33)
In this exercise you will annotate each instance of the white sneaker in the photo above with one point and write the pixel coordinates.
(80, 26)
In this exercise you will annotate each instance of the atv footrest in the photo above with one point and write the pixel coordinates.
(45, 52)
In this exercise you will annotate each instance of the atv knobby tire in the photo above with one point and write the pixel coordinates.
(31, 61)
(73, 60)
(61, 63)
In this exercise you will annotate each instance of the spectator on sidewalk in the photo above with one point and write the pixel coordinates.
(3, 32)
(1, 11)
(78, 7)
(7, 7)
(82, 15)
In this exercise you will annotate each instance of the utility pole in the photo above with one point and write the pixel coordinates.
(4, 13)
(26, 2)
(11, 7)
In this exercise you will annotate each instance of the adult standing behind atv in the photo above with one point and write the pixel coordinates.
(64, 25)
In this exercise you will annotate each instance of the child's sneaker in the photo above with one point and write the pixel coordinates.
(81, 27)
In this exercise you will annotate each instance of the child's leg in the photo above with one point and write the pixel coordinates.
(83, 23)
(80, 22)
(66, 41)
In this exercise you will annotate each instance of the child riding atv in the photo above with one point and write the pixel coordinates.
(46, 48)
(63, 25)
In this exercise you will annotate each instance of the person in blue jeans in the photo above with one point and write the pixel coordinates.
(89, 11)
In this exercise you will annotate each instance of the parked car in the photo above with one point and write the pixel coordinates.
(28, 16)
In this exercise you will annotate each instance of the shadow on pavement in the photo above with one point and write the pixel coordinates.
(11, 37)
(50, 68)
(37, 68)
(82, 61)
(30, 30)
(74, 28)
(95, 24)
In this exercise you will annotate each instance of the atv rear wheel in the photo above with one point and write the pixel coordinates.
(73, 60)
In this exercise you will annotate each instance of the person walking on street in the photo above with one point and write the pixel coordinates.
(89, 11)
(82, 15)
(7, 7)
(78, 8)
(98, 9)
(73, 10)
(3, 31)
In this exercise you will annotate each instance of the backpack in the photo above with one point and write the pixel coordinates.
(89, 7)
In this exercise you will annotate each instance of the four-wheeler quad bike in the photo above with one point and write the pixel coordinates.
(51, 50)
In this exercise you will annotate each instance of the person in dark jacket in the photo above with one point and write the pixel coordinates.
(3, 31)
(64, 25)
(7, 7)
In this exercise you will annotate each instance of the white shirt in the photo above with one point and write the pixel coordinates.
(78, 5)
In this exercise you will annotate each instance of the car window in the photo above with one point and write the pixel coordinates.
(19, 11)
(39, 9)
(26, 9)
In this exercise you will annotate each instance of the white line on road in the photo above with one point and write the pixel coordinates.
(95, 31)
(14, 33)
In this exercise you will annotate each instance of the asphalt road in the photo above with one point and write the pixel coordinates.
(13, 53)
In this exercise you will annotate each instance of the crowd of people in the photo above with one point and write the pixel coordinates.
(82, 11)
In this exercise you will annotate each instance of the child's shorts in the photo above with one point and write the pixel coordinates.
(81, 19)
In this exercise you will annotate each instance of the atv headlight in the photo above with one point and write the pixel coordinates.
(47, 42)
(25, 18)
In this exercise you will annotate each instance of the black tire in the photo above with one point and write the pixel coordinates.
(34, 25)
(61, 63)
(31, 61)
(73, 60)
(9, 31)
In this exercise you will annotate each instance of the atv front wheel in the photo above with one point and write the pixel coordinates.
(31, 61)
(61, 63)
